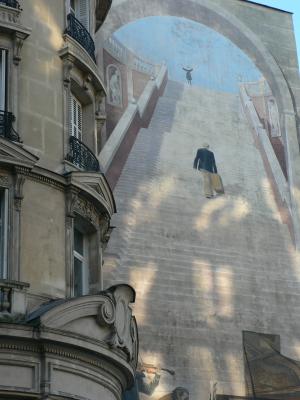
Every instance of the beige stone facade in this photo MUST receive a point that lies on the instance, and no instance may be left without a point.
(61, 334)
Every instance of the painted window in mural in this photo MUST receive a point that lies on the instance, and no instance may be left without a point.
(114, 84)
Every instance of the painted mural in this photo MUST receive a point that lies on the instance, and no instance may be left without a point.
(202, 203)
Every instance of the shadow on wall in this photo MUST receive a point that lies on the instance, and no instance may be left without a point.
(204, 270)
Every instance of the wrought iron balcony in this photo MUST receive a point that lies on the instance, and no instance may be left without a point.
(81, 156)
(11, 3)
(6, 126)
(78, 32)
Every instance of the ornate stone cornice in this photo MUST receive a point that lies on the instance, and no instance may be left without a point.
(43, 176)
(15, 154)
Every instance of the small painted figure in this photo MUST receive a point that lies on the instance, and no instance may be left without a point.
(188, 74)
(115, 88)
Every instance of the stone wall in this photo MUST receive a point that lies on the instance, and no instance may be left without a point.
(40, 122)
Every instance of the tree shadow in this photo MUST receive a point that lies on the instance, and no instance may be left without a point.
(204, 270)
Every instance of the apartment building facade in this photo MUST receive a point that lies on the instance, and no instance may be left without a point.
(61, 334)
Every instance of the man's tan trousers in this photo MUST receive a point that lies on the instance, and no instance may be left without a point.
(207, 183)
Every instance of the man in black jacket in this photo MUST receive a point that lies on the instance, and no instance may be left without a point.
(205, 162)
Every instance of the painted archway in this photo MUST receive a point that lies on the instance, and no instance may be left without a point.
(220, 19)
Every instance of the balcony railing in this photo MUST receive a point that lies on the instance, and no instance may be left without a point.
(78, 32)
(6, 126)
(11, 3)
(81, 156)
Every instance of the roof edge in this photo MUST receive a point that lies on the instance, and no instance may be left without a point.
(265, 6)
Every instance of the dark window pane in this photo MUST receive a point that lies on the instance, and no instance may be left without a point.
(78, 242)
(78, 284)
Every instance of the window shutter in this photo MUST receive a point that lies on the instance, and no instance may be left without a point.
(70, 114)
(83, 14)
(79, 121)
(75, 113)
(3, 64)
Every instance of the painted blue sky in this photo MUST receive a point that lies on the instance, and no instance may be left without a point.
(217, 63)
(287, 5)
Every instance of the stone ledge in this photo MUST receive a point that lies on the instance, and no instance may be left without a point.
(75, 54)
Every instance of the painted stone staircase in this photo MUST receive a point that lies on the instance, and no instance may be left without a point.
(204, 270)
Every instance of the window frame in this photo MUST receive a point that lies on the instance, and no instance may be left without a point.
(4, 200)
(72, 10)
(84, 260)
(3, 78)
(81, 11)
(75, 117)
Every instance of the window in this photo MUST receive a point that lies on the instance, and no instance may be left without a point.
(3, 69)
(80, 9)
(81, 272)
(72, 7)
(75, 118)
(3, 232)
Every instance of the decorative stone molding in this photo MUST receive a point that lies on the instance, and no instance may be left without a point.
(4, 180)
(110, 309)
(19, 182)
(92, 337)
(124, 335)
(38, 362)
(10, 22)
(72, 55)
(71, 198)
(106, 229)
(12, 300)
(67, 67)
(19, 38)
(96, 188)
(84, 208)
(9, 15)
(15, 154)
(43, 177)
(106, 313)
